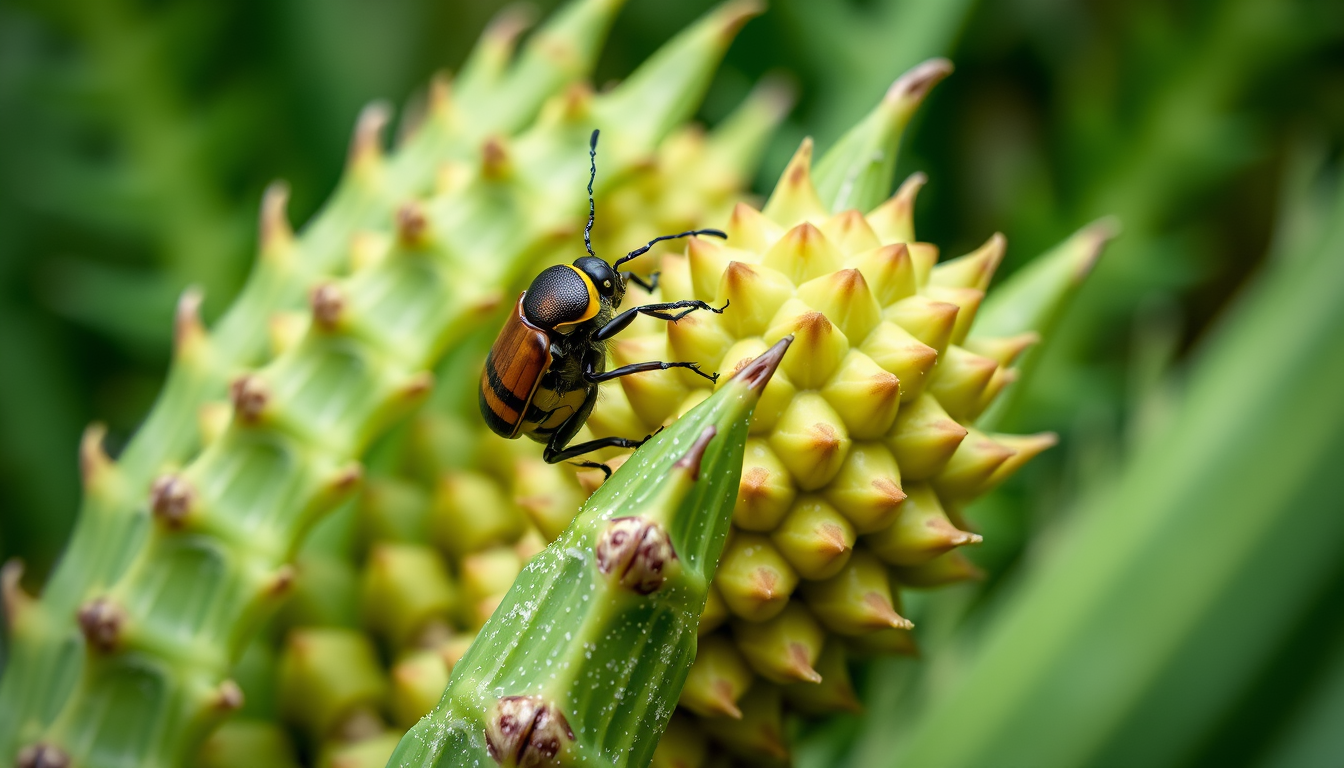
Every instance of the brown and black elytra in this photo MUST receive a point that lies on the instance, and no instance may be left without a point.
(541, 376)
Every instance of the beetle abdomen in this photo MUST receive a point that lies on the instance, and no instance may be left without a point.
(513, 369)
(549, 410)
(560, 295)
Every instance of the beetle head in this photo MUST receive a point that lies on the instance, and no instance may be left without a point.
(607, 281)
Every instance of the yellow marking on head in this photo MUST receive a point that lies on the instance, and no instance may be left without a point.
(594, 304)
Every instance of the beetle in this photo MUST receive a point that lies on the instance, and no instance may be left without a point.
(542, 374)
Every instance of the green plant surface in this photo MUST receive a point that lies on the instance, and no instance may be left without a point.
(593, 641)
(357, 373)
(1110, 652)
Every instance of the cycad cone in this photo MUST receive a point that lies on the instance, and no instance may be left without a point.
(862, 455)
(863, 450)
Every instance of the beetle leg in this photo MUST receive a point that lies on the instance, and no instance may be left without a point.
(554, 453)
(655, 365)
(606, 471)
(623, 320)
(557, 450)
(651, 285)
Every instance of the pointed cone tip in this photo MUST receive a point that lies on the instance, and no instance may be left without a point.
(799, 168)
(765, 585)
(690, 463)
(732, 16)
(757, 373)
(915, 84)
(187, 322)
(1045, 440)
(886, 612)
(513, 20)
(274, 225)
(777, 91)
(1094, 238)
(913, 183)
(772, 743)
(799, 665)
(832, 539)
(11, 592)
(722, 701)
(92, 457)
(373, 118)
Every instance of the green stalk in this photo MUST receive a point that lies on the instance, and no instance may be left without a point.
(1201, 537)
(584, 660)
(212, 566)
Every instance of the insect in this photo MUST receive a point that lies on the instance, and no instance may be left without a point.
(541, 376)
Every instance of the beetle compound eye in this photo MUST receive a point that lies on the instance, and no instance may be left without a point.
(599, 271)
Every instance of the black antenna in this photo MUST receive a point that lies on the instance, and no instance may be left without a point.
(592, 174)
(645, 248)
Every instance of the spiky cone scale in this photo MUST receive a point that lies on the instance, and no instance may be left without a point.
(833, 693)
(857, 600)
(815, 538)
(784, 648)
(418, 680)
(585, 657)
(716, 680)
(393, 510)
(456, 522)
(486, 577)
(888, 375)
(754, 578)
(330, 681)
(406, 590)
(259, 743)
(300, 420)
(758, 735)
(325, 592)
(923, 531)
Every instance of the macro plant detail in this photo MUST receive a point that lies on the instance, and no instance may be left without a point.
(865, 448)
(973, 493)
(402, 288)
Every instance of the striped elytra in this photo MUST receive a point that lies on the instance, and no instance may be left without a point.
(518, 359)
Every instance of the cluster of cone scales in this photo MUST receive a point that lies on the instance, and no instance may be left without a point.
(863, 450)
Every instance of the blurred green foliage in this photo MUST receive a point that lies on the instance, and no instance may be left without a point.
(136, 137)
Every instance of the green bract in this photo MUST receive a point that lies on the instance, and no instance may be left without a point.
(584, 659)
